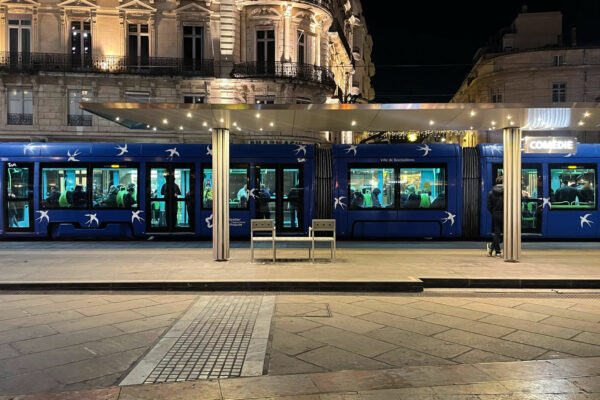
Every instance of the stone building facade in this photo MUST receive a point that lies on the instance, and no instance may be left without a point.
(55, 54)
(534, 61)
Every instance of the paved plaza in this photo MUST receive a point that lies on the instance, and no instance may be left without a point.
(431, 345)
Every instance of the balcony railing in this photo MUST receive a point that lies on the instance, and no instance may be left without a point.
(284, 70)
(54, 62)
(327, 4)
(19, 119)
(80, 120)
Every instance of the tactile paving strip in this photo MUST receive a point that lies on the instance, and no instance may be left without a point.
(218, 337)
(214, 345)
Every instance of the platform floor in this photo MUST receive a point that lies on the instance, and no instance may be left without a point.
(154, 261)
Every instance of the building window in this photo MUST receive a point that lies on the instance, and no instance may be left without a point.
(559, 92)
(20, 107)
(573, 187)
(77, 116)
(81, 43)
(64, 187)
(303, 100)
(137, 97)
(193, 99)
(139, 45)
(496, 95)
(192, 46)
(265, 51)
(264, 99)
(115, 187)
(423, 188)
(19, 32)
(301, 47)
(558, 60)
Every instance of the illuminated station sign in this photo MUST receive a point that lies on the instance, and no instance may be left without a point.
(560, 145)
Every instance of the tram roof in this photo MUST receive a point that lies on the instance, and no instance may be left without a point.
(290, 118)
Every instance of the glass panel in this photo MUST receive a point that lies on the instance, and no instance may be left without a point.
(423, 188)
(18, 184)
(183, 214)
(15, 101)
(64, 187)
(181, 189)
(158, 214)
(115, 187)
(144, 28)
(238, 189)
(144, 50)
(87, 43)
(198, 52)
(372, 187)
(132, 28)
(18, 214)
(158, 180)
(572, 187)
(27, 102)
(25, 41)
(14, 41)
(293, 193)
(133, 49)
(265, 203)
(188, 48)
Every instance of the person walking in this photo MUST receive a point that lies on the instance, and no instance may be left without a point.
(495, 205)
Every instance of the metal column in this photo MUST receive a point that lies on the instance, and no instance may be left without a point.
(512, 194)
(220, 186)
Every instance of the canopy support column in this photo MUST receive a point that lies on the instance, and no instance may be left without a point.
(512, 194)
(220, 185)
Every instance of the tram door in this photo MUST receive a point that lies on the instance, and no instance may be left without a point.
(170, 198)
(18, 197)
(531, 196)
(280, 196)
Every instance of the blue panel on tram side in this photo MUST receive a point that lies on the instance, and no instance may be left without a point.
(434, 212)
(269, 152)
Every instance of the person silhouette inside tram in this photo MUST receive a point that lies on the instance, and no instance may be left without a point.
(565, 193)
(170, 187)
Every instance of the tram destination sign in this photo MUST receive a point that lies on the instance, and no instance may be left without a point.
(543, 144)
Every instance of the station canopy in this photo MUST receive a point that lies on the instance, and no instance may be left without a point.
(283, 118)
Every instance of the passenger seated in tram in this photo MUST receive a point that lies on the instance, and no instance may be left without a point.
(412, 199)
(357, 198)
(263, 203)
(111, 200)
(565, 193)
(129, 200)
(63, 200)
(78, 197)
(207, 195)
(439, 202)
(586, 193)
(52, 198)
(375, 198)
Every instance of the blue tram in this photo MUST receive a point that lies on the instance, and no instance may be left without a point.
(559, 192)
(109, 190)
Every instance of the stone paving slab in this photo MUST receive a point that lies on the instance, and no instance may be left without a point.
(558, 379)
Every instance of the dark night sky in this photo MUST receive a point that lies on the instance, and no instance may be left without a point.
(432, 33)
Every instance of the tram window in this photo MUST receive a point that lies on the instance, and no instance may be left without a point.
(423, 188)
(371, 188)
(238, 188)
(18, 191)
(64, 187)
(115, 187)
(573, 187)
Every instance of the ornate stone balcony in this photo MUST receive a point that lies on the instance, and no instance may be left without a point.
(326, 4)
(284, 70)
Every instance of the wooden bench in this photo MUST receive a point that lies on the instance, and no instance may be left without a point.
(268, 225)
